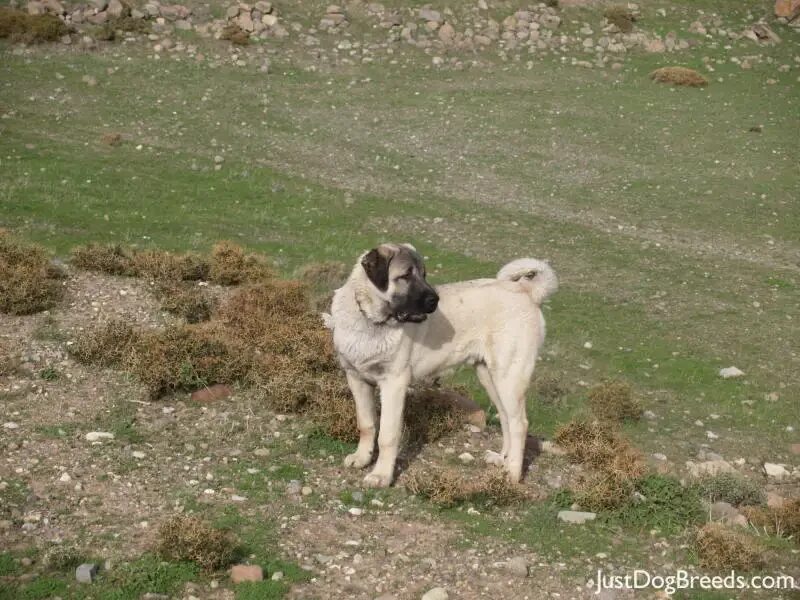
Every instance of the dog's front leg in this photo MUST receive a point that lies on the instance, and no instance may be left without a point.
(393, 399)
(364, 395)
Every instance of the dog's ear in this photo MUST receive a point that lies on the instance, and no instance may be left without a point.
(376, 265)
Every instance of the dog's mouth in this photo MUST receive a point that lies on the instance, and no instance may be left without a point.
(406, 317)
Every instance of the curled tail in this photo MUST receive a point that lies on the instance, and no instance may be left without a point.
(536, 275)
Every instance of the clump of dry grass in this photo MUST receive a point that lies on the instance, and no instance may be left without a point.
(111, 138)
(9, 363)
(29, 282)
(322, 280)
(731, 488)
(721, 548)
(549, 387)
(621, 16)
(185, 300)
(185, 538)
(679, 76)
(447, 487)
(235, 35)
(783, 521)
(231, 265)
(616, 464)
(614, 401)
(108, 345)
(111, 259)
(429, 415)
(125, 23)
(20, 27)
(166, 266)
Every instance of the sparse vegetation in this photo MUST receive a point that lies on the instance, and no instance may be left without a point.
(722, 548)
(661, 502)
(231, 265)
(236, 35)
(20, 27)
(186, 538)
(682, 76)
(621, 16)
(783, 521)
(549, 388)
(448, 487)
(614, 401)
(185, 300)
(732, 488)
(29, 282)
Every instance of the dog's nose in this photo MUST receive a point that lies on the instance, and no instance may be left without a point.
(431, 302)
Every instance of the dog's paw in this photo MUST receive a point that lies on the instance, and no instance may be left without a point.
(377, 480)
(357, 460)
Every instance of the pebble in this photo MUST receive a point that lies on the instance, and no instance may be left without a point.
(86, 572)
(306, 491)
(437, 593)
(466, 457)
(10, 425)
(65, 478)
(776, 471)
(576, 517)
(96, 436)
(730, 372)
(517, 566)
(138, 454)
(356, 512)
(241, 573)
(277, 576)
(293, 488)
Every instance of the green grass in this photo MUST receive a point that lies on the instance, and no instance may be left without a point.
(667, 506)
(8, 565)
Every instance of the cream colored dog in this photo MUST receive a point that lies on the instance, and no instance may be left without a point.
(391, 328)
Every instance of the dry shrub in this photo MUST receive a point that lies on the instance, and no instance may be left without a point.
(230, 265)
(549, 387)
(447, 487)
(731, 488)
(781, 520)
(108, 345)
(111, 139)
(29, 282)
(322, 280)
(614, 401)
(185, 538)
(111, 259)
(126, 23)
(20, 27)
(429, 415)
(616, 464)
(9, 363)
(235, 35)
(620, 16)
(721, 548)
(185, 300)
(679, 76)
(161, 265)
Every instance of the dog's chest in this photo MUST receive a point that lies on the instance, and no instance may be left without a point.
(367, 350)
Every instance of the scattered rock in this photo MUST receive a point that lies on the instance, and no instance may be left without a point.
(730, 372)
(493, 458)
(437, 593)
(218, 391)
(97, 436)
(576, 517)
(517, 566)
(776, 471)
(466, 457)
(241, 573)
(86, 573)
(709, 467)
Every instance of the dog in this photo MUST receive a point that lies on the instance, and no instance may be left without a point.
(392, 328)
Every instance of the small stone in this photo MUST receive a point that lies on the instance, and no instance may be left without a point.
(138, 454)
(659, 456)
(794, 448)
(293, 488)
(65, 478)
(587, 345)
(219, 159)
(730, 372)
(576, 517)
(427, 14)
(86, 572)
(437, 593)
(709, 467)
(242, 573)
(466, 457)
(776, 471)
(356, 512)
(277, 576)
(96, 436)
(10, 425)
(306, 491)
(493, 458)
(517, 566)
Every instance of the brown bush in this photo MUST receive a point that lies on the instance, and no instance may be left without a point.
(20, 27)
(447, 487)
(721, 548)
(111, 259)
(235, 35)
(679, 76)
(108, 345)
(185, 538)
(620, 16)
(549, 387)
(29, 283)
(614, 401)
(783, 521)
(111, 139)
(185, 300)
(166, 266)
(9, 363)
(230, 265)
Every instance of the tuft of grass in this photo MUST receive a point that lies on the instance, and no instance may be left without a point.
(8, 566)
(731, 488)
(29, 282)
(613, 401)
(620, 16)
(111, 259)
(235, 35)
(147, 574)
(62, 557)
(126, 23)
(447, 487)
(430, 415)
(230, 265)
(679, 76)
(111, 138)
(9, 362)
(783, 521)
(20, 27)
(49, 374)
(184, 300)
(615, 463)
(108, 345)
(549, 387)
(185, 538)
(663, 504)
(721, 548)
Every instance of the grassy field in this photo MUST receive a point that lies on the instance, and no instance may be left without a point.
(672, 223)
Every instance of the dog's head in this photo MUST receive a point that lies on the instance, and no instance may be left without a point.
(397, 273)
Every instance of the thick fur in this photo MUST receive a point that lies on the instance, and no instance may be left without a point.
(494, 324)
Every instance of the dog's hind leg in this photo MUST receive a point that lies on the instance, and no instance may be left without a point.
(393, 399)
(485, 377)
(364, 395)
(511, 387)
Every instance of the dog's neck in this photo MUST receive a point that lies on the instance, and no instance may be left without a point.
(377, 313)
